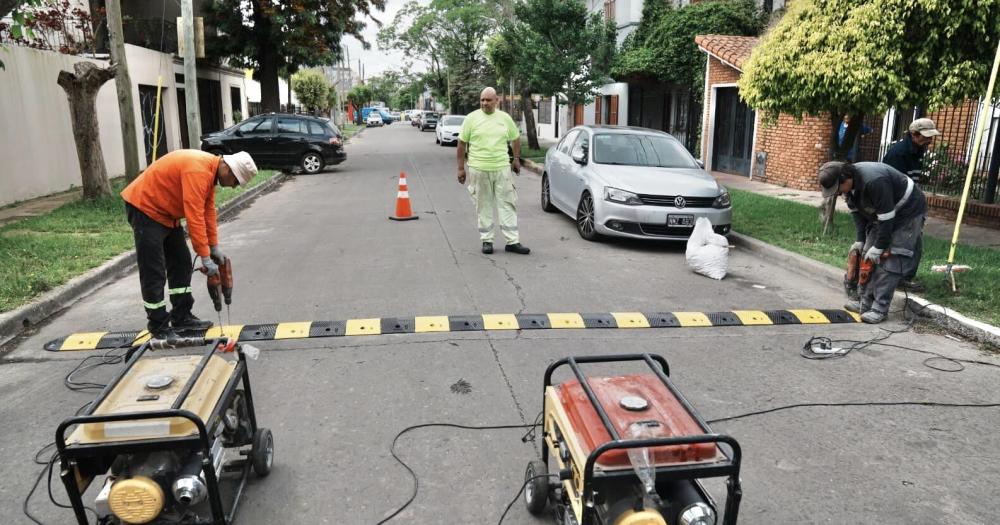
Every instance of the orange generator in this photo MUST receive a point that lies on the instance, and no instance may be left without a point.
(628, 450)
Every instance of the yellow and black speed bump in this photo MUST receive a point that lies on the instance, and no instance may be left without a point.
(463, 323)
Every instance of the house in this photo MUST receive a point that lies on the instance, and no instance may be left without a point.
(790, 151)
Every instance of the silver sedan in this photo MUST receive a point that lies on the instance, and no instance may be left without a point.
(631, 182)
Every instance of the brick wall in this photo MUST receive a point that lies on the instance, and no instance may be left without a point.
(718, 73)
(976, 214)
(795, 150)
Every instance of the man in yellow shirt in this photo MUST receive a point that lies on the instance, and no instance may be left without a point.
(485, 135)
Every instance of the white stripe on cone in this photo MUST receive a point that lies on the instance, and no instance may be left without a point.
(403, 195)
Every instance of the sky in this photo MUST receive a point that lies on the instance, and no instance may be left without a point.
(375, 60)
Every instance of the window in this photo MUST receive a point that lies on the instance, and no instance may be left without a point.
(315, 128)
(567, 141)
(609, 10)
(453, 121)
(641, 150)
(582, 141)
(256, 127)
(289, 125)
(545, 111)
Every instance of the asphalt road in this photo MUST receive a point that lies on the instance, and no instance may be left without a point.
(321, 248)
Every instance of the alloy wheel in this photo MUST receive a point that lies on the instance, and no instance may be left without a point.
(585, 218)
(312, 163)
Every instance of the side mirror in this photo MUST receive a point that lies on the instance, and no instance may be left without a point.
(701, 163)
(579, 155)
(238, 133)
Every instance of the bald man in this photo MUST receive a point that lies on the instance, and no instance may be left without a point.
(485, 135)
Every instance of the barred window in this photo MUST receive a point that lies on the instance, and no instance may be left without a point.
(545, 111)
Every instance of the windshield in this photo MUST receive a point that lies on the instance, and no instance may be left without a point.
(641, 150)
(431, 115)
(452, 121)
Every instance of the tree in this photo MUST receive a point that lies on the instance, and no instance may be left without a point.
(557, 47)
(312, 89)
(81, 88)
(663, 46)
(272, 36)
(858, 57)
(359, 96)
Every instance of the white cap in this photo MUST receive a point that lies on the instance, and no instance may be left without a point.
(242, 165)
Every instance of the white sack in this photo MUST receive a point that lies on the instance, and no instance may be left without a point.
(707, 252)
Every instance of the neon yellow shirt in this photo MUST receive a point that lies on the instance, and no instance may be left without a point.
(486, 137)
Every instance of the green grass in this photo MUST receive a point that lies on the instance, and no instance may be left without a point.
(349, 130)
(40, 253)
(796, 227)
(531, 153)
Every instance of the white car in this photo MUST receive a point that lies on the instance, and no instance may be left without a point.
(631, 182)
(374, 119)
(448, 128)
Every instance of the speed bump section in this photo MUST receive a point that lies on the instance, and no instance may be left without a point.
(690, 319)
(630, 320)
(297, 330)
(432, 323)
(753, 317)
(500, 322)
(82, 341)
(566, 321)
(371, 326)
(810, 316)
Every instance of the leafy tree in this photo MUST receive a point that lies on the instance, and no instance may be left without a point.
(663, 46)
(556, 47)
(857, 57)
(359, 96)
(312, 89)
(274, 36)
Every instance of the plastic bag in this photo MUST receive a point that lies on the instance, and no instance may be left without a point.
(707, 252)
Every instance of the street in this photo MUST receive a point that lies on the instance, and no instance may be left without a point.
(320, 247)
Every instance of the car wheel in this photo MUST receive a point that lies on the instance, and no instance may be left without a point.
(547, 194)
(437, 140)
(312, 163)
(585, 224)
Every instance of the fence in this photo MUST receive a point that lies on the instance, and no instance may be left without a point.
(947, 160)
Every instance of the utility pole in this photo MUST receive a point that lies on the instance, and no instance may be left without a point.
(190, 77)
(123, 84)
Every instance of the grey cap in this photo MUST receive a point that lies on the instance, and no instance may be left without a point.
(829, 177)
(925, 127)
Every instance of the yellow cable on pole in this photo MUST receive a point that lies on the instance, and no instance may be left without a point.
(156, 119)
(987, 102)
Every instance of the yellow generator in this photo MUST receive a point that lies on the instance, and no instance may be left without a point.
(168, 437)
(628, 450)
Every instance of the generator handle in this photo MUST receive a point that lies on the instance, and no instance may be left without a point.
(131, 416)
(606, 359)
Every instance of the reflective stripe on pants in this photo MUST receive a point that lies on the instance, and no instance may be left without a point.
(495, 190)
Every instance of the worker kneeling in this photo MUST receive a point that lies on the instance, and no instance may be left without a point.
(888, 211)
(180, 185)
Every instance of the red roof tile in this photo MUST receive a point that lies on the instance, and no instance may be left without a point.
(732, 49)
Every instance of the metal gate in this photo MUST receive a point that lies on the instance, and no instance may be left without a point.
(732, 138)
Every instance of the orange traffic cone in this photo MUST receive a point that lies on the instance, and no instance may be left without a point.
(403, 211)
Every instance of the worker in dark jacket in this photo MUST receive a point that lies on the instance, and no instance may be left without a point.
(907, 154)
(888, 211)
(180, 185)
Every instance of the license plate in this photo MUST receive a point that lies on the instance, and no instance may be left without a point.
(680, 220)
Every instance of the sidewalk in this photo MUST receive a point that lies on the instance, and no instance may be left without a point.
(935, 227)
(36, 206)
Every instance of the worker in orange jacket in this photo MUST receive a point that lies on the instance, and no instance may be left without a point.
(179, 185)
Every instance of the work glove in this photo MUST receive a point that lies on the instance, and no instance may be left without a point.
(874, 254)
(859, 245)
(210, 268)
(216, 254)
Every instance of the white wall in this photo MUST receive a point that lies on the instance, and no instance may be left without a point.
(36, 138)
(617, 88)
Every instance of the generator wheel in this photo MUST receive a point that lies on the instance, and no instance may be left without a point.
(262, 452)
(536, 492)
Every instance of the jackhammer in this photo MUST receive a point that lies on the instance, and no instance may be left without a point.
(859, 273)
(220, 286)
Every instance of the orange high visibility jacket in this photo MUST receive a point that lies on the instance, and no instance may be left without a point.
(180, 185)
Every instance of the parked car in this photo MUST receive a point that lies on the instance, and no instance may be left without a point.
(415, 117)
(395, 115)
(282, 141)
(448, 129)
(428, 120)
(386, 116)
(631, 182)
(374, 119)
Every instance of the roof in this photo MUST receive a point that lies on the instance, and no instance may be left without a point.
(733, 50)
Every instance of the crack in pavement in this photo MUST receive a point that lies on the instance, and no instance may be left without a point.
(518, 290)
(503, 373)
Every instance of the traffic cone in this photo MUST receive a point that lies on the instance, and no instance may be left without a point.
(403, 211)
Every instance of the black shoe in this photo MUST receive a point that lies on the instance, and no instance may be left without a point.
(190, 323)
(517, 248)
(163, 333)
(487, 248)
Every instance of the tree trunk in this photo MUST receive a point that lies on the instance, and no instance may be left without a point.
(81, 90)
(529, 118)
(839, 152)
(270, 98)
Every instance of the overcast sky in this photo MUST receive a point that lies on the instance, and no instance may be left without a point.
(375, 60)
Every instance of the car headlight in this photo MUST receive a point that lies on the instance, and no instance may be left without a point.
(621, 196)
(697, 513)
(722, 201)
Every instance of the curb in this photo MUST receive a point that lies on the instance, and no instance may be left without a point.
(16, 321)
(532, 166)
(834, 277)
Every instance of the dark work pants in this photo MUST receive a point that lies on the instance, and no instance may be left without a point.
(163, 258)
